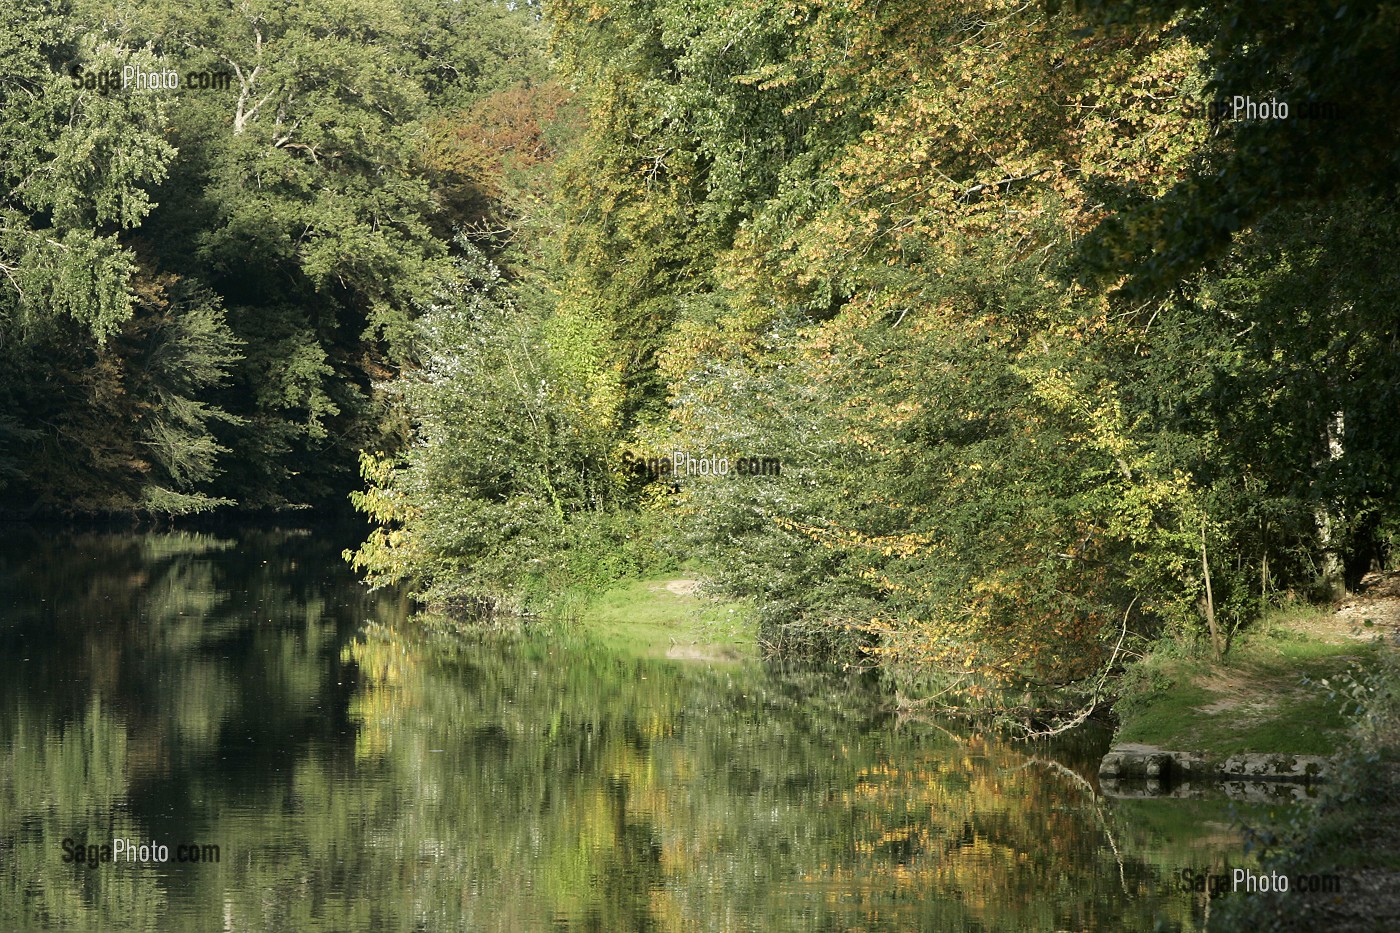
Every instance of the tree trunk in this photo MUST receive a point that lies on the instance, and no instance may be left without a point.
(1209, 607)
(1333, 578)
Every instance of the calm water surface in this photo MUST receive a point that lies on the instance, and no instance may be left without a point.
(357, 772)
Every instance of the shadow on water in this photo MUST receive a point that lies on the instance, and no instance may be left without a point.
(359, 771)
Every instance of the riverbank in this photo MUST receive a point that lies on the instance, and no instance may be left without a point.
(1351, 836)
(668, 617)
(1310, 680)
(1284, 688)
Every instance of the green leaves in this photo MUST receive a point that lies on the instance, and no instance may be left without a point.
(293, 196)
(1337, 74)
(79, 169)
(858, 236)
(510, 450)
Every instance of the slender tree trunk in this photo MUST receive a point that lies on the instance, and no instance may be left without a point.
(1215, 642)
(1333, 579)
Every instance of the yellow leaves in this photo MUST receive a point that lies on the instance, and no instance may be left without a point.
(832, 537)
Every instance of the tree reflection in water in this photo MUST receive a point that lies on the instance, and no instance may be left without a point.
(363, 770)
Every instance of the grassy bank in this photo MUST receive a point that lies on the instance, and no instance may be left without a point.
(667, 617)
(1282, 688)
(1352, 834)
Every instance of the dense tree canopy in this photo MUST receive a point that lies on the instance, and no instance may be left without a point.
(1057, 351)
(206, 282)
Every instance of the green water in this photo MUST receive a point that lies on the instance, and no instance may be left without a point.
(358, 772)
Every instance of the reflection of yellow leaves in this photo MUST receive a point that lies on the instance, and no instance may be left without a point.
(391, 685)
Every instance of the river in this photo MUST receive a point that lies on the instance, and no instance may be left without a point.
(319, 759)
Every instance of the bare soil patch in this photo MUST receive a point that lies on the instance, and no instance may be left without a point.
(1242, 693)
(1377, 600)
(682, 587)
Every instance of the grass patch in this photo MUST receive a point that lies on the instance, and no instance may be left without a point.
(1276, 691)
(663, 617)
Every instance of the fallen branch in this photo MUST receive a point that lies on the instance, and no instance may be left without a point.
(1088, 709)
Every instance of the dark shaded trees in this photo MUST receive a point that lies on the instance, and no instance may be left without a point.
(204, 285)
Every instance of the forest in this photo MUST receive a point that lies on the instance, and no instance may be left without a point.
(1057, 328)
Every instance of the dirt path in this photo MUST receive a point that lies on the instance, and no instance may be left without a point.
(682, 587)
(1377, 601)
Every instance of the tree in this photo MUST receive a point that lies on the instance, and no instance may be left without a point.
(1331, 63)
(276, 228)
(108, 365)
